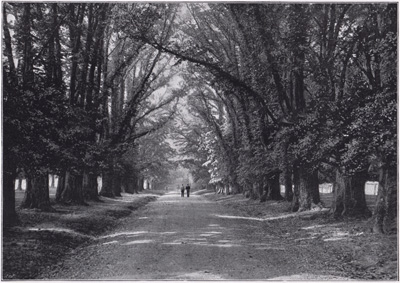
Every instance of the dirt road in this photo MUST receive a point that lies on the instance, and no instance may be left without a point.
(192, 238)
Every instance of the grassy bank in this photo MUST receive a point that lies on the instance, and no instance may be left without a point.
(350, 248)
(43, 238)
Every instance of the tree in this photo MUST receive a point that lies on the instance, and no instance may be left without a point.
(277, 93)
(145, 68)
(10, 132)
(79, 180)
(37, 102)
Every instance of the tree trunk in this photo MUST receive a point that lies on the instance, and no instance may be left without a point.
(8, 49)
(257, 191)
(75, 29)
(274, 190)
(37, 192)
(124, 182)
(219, 188)
(226, 189)
(314, 183)
(27, 67)
(129, 184)
(287, 174)
(349, 195)
(287, 177)
(90, 186)
(116, 185)
(82, 82)
(19, 188)
(132, 188)
(359, 204)
(341, 187)
(385, 214)
(296, 189)
(94, 86)
(10, 216)
(140, 183)
(236, 189)
(72, 190)
(308, 187)
(52, 182)
(10, 88)
(106, 188)
(135, 182)
(57, 67)
(265, 192)
(60, 186)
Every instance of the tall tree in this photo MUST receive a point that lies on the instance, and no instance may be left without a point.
(10, 132)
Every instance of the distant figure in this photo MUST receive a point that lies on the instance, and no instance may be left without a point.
(187, 190)
(182, 191)
(166, 188)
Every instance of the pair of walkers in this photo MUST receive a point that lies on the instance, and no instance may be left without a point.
(183, 190)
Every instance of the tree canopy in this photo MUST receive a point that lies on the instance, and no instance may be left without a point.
(250, 96)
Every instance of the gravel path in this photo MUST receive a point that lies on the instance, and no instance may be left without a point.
(177, 238)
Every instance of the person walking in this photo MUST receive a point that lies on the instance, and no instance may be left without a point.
(187, 190)
(182, 191)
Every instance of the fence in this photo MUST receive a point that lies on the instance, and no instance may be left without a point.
(371, 188)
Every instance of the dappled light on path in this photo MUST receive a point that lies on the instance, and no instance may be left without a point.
(207, 238)
(109, 243)
(123, 234)
(198, 275)
(127, 198)
(138, 242)
(319, 226)
(61, 230)
(193, 238)
(206, 234)
(338, 236)
(329, 233)
(283, 216)
(309, 277)
(239, 217)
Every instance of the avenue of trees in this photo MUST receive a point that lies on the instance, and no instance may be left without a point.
(79, 91)
(292, 94)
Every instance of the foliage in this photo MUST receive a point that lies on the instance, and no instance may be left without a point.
(268, 86)
(282, 75)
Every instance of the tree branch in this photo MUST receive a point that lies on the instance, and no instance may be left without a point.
(219, 73)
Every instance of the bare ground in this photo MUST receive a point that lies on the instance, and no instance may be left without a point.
(204, 237)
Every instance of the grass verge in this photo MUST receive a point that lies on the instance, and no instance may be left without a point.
(43, 238)
(342, 247)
